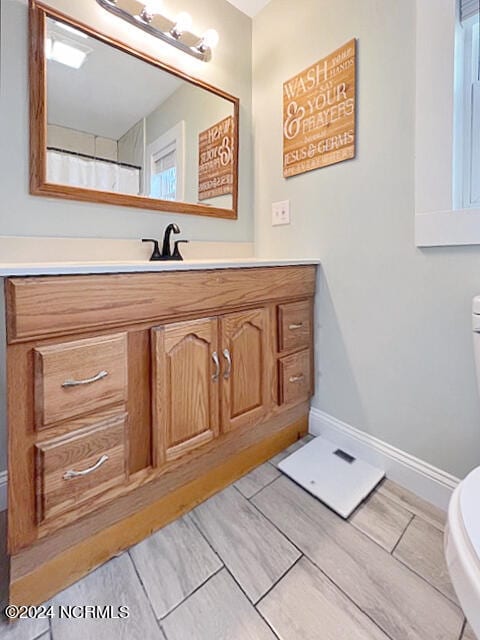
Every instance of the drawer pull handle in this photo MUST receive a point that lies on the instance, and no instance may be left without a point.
(79, 383)
(294, 326)
(69, 475)
(298, 378)
(215, 359)
(228, 358)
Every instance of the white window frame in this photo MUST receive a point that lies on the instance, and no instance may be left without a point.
(470, 78)
(174, 138)
(440, 220)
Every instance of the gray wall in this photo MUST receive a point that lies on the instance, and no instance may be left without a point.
(200, 110)
(80, 142)
(131, 146)
(394, 343)
(22, 214)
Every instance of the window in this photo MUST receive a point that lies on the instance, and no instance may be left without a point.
(163, 182)
(467, 105)
(443, 216)
(165, 165)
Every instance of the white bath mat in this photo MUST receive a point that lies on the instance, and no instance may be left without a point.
(332, 475)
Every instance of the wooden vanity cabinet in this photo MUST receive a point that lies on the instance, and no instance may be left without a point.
(206, 373)
(247, 354)
(74, 378)
(75, 468)
(186, 377)
(133, 397)
(295, 377)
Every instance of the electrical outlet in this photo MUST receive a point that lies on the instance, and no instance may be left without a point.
(280, 213)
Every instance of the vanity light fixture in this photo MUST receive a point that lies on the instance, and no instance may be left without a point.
(209, 40)
(151, 15)
(150, 9)
(183, 22)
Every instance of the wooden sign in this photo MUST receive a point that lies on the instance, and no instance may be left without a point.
(319, 113)
(216, 160)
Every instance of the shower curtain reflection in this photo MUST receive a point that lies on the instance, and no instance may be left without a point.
(91, 173)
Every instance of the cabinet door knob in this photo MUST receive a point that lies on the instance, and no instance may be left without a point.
(215, 359)
(78, 383)
(228, 358)
(69, 475)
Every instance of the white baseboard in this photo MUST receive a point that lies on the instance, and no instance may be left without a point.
(3, 490)
(425, 480)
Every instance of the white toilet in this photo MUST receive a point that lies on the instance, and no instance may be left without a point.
(462, 538)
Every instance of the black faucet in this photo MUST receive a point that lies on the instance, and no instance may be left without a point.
(167, 253)
(166, 248)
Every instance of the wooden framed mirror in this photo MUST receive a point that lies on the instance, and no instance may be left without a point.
(110, 124)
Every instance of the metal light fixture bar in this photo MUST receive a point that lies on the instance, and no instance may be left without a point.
(201, 51)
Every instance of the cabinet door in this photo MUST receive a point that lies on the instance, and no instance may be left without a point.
(246, 355)
(185, 387)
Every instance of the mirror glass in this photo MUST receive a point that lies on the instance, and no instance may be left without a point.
(117, 123)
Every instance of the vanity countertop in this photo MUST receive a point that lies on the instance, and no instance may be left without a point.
(136, 266)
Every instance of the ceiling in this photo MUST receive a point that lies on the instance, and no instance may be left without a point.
(250, 7)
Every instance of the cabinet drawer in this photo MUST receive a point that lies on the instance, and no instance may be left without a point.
(73, 469)
(295, 377)
(74, 378)
(294, 325)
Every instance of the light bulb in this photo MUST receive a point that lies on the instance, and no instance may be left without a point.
(153, 7)
(183, 22)
(210, 39)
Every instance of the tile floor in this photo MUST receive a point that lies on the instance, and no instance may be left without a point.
(263, 560)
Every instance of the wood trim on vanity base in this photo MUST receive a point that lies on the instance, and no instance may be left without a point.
(38, 573)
